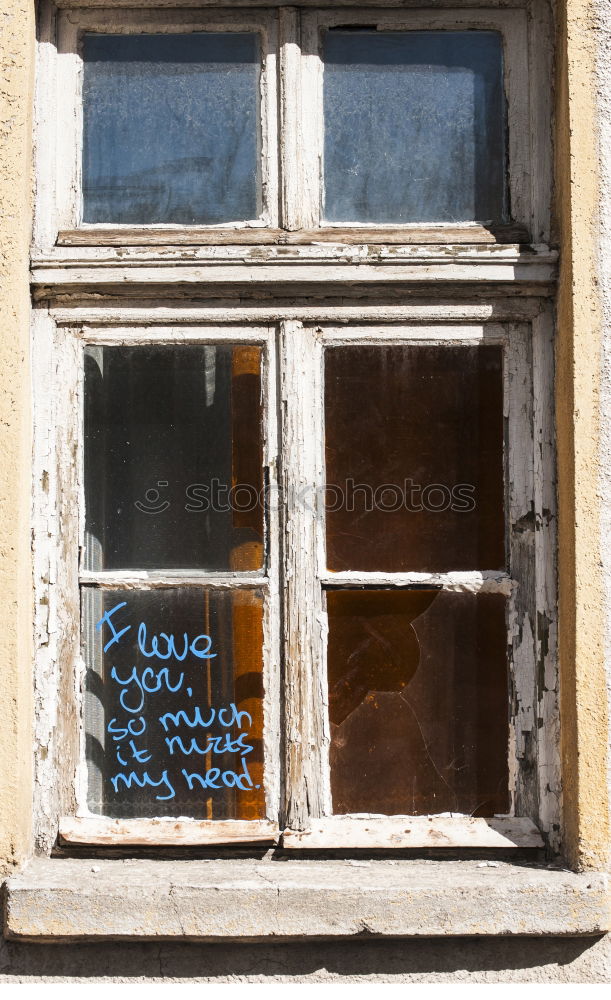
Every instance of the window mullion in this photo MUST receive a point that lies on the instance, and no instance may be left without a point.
(311, 135)
(305, 729)
(288, 90)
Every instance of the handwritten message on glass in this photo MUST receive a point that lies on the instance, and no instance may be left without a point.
(173, 703)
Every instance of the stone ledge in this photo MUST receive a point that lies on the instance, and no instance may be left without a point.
(76, 899)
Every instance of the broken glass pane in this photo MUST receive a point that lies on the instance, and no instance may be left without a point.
(171, 128)
(174, 703)
(414, 458)
(414, 126)
(418, 702)
(173, 457)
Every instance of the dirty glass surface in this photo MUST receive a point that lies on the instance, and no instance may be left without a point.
(414, 458)
(173, 457)
(414, 126)
(173, 702)
(171, 128)
(418, 702)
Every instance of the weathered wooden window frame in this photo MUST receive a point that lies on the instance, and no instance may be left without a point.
(295, 708)
(292, 122)
(512, 26)
(73, 23)
(72, 262)
(527, 357)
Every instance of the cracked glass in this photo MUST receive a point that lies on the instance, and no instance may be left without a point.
(418, 696)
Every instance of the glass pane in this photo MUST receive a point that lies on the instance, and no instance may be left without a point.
(414, 458)
(418, 702)
(173, 703)
(414, 126)
(170, 128)
(173, 457)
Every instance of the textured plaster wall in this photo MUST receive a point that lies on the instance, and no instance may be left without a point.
(16, 75)
(603, 91)
(581, 426)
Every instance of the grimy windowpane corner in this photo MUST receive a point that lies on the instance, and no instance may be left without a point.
(418, 702)
(173, 457)
(174, 702)
(171, 128)
(414, 458)
(414, 127)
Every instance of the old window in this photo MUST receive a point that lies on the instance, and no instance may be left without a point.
(304, 574)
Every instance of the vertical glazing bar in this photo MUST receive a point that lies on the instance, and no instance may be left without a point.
(289, 90)
(301, 408)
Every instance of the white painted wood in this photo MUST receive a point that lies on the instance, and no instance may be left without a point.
(409, 284)
(152, 579)
(74, 21)
(45, 223)
(462, 333)
(541, 31)
(513, 26)
(161, 334)
(55, 529)
(519, 513)
(490, 582)
(157, 248)
(301, 417)
(69, 121)
(272, 617)
(289, 274)
(105, 316)
(289, 90)
(164, 832)
(547, 708)
(432, 832)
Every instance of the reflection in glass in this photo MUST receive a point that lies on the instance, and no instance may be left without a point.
(414, 126)
(173, 457)
(418, 702)
(173, 705)
(414, 458)
(170, 128)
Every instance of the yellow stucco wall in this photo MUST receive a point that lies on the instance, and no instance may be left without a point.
(584, 706)
(17, 60)
(584, 710)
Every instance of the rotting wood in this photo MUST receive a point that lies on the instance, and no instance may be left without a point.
(520, 520)
(250, 235)
(547, 708)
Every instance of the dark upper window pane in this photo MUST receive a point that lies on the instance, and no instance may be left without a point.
(174, 702)
(170, 128)
(418, 702)
(173, 457)
(414, 127)
(414, 458)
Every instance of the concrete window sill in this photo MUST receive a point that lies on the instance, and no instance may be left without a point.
(76, 899)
